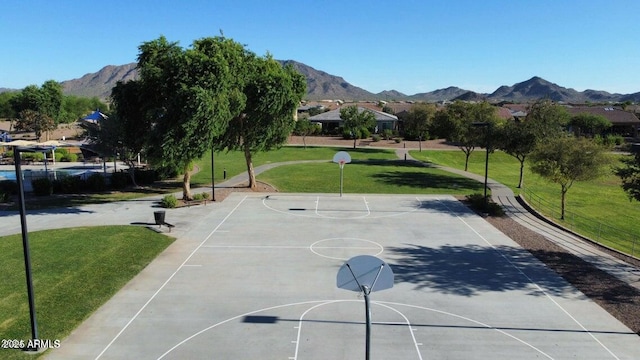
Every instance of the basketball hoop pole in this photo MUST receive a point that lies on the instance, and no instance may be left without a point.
(366, 290)
(341, 176)
(341, 158)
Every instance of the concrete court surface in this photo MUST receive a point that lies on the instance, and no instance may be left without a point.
(254, 277)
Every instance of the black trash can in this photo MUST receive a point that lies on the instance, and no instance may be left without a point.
(159, 217)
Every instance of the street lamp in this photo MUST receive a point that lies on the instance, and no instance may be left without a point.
(487, 126)
(25, 237)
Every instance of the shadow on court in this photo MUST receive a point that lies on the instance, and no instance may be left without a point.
(471, 270)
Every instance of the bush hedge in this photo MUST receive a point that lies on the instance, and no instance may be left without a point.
(42, 187)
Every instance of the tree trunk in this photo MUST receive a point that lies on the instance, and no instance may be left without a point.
(252, 175)
(304, 141)
(466, 160)
(562, 202)
(354, 142)
(186, 184)
(521, 182)
(132, 171)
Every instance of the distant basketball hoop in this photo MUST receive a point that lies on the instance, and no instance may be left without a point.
(341, 158)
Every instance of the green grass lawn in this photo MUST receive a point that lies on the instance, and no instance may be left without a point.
(74, 271)
(599, 208)
(370, 177)
(234, 163)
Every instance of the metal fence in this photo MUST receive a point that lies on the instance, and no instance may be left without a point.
(607, 235)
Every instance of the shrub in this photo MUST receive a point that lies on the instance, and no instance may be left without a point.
(42, 187)
(119, 180)
(198, 197)
(205, 195)
(70, 157)
(9, 186)
(376, 138)
(96, 182)
(169, 201)
(167, 172)
(397, 140)
(33, 156)
(146, 177)
(59, 156)
(387, 134)
(69, 185)
(476, 201)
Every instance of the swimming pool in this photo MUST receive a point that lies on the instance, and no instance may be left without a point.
(53, 174)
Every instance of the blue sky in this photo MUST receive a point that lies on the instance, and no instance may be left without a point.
(407, 45)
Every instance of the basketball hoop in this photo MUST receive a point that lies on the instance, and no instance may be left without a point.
(341, 158)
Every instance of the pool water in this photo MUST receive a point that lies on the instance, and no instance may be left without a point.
(27, 174)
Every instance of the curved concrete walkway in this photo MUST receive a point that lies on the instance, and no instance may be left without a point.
(503, 196)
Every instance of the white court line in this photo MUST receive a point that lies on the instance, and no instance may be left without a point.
(546, 294)
(169, 279)
(295, 354)
(408, 323)
(243, 315)
(382, 303)
(317, 211)
(366, 205)
(254, 247)
(318, 303)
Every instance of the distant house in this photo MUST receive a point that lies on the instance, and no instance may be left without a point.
(331, 120)
(623, 123)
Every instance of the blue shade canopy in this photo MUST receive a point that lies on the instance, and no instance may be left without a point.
(5, 137)
(95, 116)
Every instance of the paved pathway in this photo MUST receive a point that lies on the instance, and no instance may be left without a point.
(503, 196)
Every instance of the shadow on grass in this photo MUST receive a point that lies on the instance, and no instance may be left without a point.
(64, 203)
(419, 179)
(472, 269)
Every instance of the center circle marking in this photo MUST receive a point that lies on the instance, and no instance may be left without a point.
(345, 248)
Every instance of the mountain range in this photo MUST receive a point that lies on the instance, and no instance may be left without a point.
(324, 86)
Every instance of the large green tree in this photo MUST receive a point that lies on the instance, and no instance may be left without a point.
(358, 122)
(6, 110)
(468, 125)
(589, 125)
(31, 120)
(38, 108)
(418, 122)
(76, 107)
(544, 120)
(126, 131)
(304, 127)
(547, 120)
(272, 94)
(189, 96)
(518, 139)
(567, 159)
(629, 173)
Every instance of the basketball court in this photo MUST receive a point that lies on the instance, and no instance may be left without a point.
(255, 278)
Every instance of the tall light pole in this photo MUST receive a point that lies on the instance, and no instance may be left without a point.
(25, 238)
(487, 144)
(213, 179)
